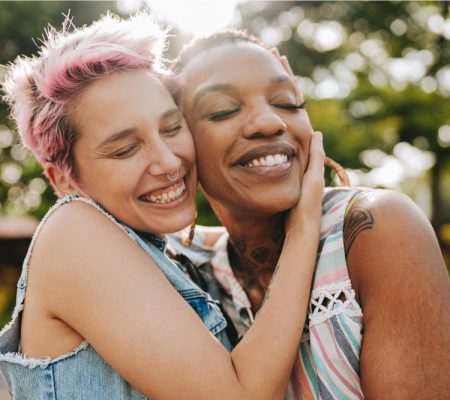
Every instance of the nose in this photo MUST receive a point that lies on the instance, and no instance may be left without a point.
(263, 122)
(163, 160)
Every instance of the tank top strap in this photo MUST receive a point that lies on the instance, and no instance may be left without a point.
(332, 281)
(152, 244)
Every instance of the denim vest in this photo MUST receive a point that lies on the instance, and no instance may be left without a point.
(83, 374)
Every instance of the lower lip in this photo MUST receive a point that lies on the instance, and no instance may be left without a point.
(171, 205)
(273, 171)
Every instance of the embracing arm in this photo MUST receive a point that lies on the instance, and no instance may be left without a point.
(403, 287)
(102, 285)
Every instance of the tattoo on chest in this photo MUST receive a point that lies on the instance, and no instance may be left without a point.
(253, 266)
(357, 220)
(260, 254)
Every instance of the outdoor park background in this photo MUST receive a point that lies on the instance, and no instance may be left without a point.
(376, 76)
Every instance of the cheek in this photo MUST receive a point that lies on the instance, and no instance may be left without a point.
(184, 147)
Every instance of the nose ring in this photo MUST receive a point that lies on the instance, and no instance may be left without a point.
(173, 177)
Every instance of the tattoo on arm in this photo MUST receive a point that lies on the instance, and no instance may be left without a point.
(357, 220)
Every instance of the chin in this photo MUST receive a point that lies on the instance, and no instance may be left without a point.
(178, 222)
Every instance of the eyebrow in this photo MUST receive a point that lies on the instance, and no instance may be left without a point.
(212, 88)
(281, 79)
(116, 137)
(170, 113)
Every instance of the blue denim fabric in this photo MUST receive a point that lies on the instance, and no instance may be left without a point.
(83, 374)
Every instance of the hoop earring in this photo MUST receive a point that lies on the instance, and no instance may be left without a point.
(173, 177)
(187, 239)
(344, 180)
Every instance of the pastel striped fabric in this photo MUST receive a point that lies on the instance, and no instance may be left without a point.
(327, 366)
(328, 362)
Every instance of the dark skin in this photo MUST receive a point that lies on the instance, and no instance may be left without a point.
(401, 315)
(253, 265)
(393, 258)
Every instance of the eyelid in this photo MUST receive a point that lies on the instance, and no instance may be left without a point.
(291, 106)
(125, 151)
(172, 130)
(222, 114)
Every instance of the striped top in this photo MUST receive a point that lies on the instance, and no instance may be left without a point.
(328, 362)
(327, 366)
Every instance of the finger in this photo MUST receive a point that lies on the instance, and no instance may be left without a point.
(313, 179)
(315, 169)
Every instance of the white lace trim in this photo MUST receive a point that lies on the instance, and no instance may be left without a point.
(328, 301)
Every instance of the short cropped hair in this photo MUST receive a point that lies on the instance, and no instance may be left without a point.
(40, 90)
(216, 39)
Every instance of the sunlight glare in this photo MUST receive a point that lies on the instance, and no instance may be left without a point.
(199, 17)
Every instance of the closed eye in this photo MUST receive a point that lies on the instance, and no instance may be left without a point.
(125, 152)
(172, 130)
(219, 115)
(290, 106)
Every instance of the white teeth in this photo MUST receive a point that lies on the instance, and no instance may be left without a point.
(269, 161)
(166, 197)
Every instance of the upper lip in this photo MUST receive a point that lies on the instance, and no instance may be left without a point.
(162, 188)
(265, 150)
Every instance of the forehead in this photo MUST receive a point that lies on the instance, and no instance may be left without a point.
(120, 97)
(232, 63)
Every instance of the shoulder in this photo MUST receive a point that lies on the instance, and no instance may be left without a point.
(386, 237)
(376, 216)
(402, 285)
(72, 224)
(76, 242)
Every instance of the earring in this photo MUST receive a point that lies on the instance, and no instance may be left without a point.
(173, 177)
(344, 180)
(187, 239)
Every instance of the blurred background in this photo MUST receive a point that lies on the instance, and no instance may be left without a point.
(376, 76)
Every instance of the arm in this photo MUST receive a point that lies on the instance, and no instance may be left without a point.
(400, 278)
(116, 298)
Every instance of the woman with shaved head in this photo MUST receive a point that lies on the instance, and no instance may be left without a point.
(379, 307)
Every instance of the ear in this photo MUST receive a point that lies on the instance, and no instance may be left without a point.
(60, 181)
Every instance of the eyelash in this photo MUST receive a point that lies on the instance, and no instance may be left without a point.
(172, 131)
(217, 116)
(128, 151)
(291, 107)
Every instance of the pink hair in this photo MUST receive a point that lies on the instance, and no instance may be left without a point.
(42, 88)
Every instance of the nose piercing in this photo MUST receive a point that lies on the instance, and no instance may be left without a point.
(172, 177)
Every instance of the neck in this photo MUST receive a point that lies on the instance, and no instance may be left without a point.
(254, 248)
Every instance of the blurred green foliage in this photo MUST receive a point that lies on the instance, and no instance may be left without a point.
(375, 74)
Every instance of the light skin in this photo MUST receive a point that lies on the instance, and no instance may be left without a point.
(393, 256)
(92, 282)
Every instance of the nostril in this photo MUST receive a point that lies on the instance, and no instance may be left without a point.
(260, 135)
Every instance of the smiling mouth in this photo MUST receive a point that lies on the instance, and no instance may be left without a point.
(164, 196)
(267, 155)
(270, 160)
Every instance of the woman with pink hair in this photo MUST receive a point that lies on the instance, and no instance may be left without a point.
(102, 313)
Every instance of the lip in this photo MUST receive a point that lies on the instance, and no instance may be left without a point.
(170, 205)
(162, 189)
(263, 151)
